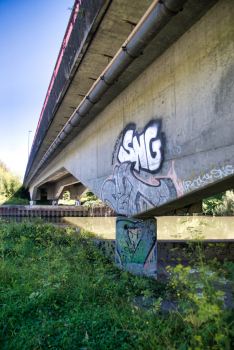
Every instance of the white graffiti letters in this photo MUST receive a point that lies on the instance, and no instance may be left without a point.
(145, 150)
(155, 161)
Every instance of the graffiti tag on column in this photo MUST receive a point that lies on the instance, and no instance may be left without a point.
(133, 187)
(136, 245)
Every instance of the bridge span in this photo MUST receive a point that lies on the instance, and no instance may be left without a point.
(140, 110)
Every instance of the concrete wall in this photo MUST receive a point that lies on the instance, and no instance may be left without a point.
(219, 249)
(170, 133)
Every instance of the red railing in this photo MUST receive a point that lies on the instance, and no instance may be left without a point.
(59, 59)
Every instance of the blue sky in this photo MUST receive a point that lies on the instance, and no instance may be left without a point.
(31, 35)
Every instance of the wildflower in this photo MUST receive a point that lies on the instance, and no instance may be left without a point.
(209, 273)
(48, 335)
(172, 284)
(147, 322)
(199, 296)
(193, 271)
(199, 285)
(39, 311)
(178, 294)
(222, 280)
(65, 324)
(133, 311)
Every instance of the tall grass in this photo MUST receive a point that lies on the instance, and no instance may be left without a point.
(59, 291)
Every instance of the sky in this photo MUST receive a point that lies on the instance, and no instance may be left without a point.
(31, 35)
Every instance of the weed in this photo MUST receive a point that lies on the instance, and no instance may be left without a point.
(59, 291)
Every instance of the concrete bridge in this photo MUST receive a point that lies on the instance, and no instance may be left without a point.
(140, 108)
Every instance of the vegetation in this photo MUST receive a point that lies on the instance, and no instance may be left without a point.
(221, 204)
(59, 291)
(227, 205)
(90, 200)
(66, 199)
(11, 189)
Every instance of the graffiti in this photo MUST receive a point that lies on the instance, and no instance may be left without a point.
(145, 150)
(172, 148)
(116, 147)
(97, 185)
(129, 194)
(54, 202)
(134, 187)
(204, 179)
(136, 246)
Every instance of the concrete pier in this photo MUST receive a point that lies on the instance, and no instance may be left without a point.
(136, 245)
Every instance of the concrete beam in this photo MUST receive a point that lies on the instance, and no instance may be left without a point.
(166, 141)
(77, 191)
(109, 29)
(59, 186)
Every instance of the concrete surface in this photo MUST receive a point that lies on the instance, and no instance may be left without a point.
(166, 141)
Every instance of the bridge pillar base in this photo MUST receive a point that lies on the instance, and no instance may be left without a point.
(136, 245)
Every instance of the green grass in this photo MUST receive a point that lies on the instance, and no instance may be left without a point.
(59, 291)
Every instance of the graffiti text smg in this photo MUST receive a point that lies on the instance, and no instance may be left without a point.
(143, 150)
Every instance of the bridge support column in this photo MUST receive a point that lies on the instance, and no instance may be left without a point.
(136, 245)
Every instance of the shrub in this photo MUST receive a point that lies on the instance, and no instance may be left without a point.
(221, 204)
(227, 205)
(11, 190)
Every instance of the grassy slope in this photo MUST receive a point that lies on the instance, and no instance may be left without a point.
(58, 291)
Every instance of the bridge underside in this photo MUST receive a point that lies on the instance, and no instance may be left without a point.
(164, 140)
